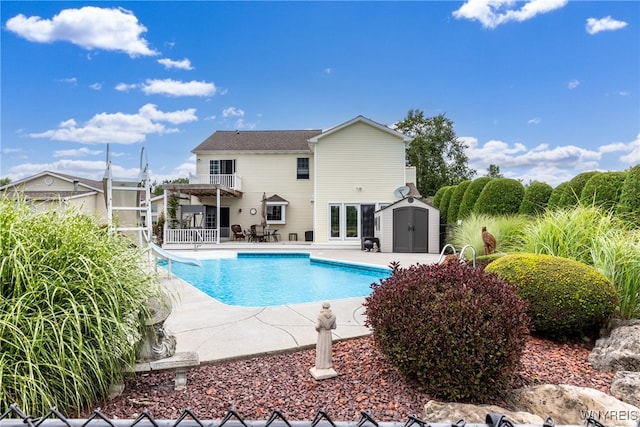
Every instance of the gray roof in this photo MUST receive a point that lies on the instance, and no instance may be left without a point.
(263, 140)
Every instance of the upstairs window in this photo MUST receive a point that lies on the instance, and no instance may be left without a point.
(303, 168)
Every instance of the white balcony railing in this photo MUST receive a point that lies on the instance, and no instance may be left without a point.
(227, 180)
(191, 235)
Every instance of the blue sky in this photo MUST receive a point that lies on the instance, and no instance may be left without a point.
(545, 89)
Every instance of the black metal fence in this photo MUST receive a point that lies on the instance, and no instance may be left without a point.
(14, 417)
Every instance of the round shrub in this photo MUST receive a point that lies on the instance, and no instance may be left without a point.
(562, 197)
(438, 197)
(456, 199)
(471, 195)
(536, 197)
(501, 196)
(454, 329)
(603, 189)
(566, 297)
(444, 202)
(629, 204)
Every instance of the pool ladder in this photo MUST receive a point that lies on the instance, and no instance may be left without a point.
(461, 257)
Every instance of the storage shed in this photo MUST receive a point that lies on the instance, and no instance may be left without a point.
(408, 225)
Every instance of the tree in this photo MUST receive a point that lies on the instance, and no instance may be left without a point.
(493, 171)
(435, 151)
(4, 181)
(158, 190)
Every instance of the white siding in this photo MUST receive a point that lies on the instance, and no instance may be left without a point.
(269, 173)
(357, 164)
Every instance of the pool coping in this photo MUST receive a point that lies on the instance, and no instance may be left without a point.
(220, 332)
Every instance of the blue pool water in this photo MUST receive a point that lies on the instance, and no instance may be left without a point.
(260, 279)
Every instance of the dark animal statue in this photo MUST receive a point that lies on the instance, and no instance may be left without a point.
(489, 241)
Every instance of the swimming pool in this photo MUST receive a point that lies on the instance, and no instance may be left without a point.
(272, 279)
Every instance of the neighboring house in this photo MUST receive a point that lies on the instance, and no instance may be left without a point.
(318, 186)
(52, 190)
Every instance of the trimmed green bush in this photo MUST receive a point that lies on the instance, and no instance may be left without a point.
(454, 329)
(471, 195)
(603, 189)
(536, 197)
(444, 202)
(629, 203)
(71, 297)
(566, 297)
(501, 196)
(454, 202)
(438, 197)
(568, 193)
(562, 197)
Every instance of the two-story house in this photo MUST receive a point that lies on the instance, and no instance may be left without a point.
(312, 185)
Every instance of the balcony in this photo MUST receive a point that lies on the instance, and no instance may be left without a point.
(230, 181)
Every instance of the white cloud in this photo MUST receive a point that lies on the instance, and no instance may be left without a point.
(542, 163)
(492, 13)
(328, 70)
(573, 84)
(178, 88)
(79, 152)
(113, 29)
(631, 150)
(232, 112)
(119, 128)
(96, 86)
(535, 121)
(124, 87)
(71, 80)
(184, 64)
(594, 26)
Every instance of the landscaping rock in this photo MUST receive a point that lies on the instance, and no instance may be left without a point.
(619, 350)
(440, 412)
(573, 405)
(626, 387)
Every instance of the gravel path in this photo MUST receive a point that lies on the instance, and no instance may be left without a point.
(255, 387)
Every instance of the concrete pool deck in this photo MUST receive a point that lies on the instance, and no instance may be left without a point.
(219, 332)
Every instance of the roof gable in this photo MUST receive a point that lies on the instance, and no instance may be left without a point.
(263, 140)
(88, 184)
(360, 119)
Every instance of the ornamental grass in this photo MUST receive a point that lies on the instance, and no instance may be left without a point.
(71, 300)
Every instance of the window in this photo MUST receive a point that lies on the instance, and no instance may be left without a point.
(344, 221)
(303, 168)
(335, 221)
(276, 212)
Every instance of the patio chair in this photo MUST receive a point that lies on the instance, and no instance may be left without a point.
(238, 234)
(257, 233)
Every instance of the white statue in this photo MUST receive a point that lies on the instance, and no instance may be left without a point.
(325, 325)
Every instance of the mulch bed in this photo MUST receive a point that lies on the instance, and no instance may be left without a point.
(255, 387)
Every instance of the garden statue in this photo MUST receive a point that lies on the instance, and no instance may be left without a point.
(158, 342)
(325, 325)
(489, 241)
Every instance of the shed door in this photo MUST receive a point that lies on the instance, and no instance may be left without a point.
(410, 229)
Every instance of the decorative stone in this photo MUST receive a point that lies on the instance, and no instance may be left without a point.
(439, 412)
(619, 349)
(573, 405)
(158, 342)
(325, 325)
(626, 386)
